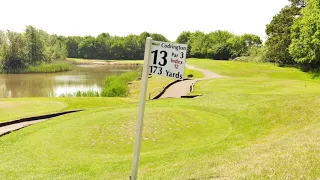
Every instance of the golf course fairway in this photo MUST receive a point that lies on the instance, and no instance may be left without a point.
(259, 122)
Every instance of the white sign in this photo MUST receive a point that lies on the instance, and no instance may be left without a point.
(164, 59)
(168, 59)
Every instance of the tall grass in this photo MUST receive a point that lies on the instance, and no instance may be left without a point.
(58, 66)
(117, 86)
(89, 93)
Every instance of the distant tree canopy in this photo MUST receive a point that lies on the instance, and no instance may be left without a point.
(35, 46)
(105, 46)
(219, 44)
(32, 47)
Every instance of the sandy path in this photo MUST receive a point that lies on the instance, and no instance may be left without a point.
(207, 74)
(7, 129)
(183, 88)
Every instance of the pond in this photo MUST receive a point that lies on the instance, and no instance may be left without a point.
(82, 78)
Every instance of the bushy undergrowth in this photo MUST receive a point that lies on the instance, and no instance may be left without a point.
(117, 86)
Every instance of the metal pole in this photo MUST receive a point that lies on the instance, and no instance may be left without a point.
(144, 83)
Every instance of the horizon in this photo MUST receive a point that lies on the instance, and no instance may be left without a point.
(92, 19)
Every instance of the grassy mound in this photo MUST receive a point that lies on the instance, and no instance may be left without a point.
(106, 137)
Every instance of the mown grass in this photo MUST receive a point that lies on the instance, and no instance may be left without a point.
(252, 70)
(58, 66)
(264, 126)
(16, 108)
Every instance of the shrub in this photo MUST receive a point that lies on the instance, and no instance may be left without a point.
(116, 86)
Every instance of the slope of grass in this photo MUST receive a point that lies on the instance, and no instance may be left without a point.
(117, 86)
(16, 108)
(252, 70)
(260, 127)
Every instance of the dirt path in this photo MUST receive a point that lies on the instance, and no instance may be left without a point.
(7, 129)
(207, 74)
(183, 88)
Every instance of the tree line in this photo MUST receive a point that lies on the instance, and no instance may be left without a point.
(30, 48)
(216, 45)
(293, 39)
(294, 36)
(35, 46)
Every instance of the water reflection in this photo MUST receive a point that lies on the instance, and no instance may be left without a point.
(62, 90)
(82, 78)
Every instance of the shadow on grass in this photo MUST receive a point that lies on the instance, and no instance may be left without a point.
(315, 75)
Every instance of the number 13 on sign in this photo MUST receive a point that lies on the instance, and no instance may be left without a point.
(168, 59)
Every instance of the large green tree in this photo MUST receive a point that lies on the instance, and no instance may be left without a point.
(279, 35)
(199, 44)
(103, 46)
(87, 48)
(184, 38)
(13, 52)
(35, 45)
(218, 47)
(240, 45)
(56, 48)
(305, 47)
(73, 46)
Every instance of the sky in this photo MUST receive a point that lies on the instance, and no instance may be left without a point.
(123, 17)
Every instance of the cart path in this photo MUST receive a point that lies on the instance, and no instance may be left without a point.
(10, 128)
(183, 88)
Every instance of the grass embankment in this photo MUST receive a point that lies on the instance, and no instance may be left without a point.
(127, 85)
(117, 86)
(58, 66)
(258, 125)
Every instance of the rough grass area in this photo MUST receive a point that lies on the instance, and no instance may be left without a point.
(260, 126)
(58, 66)
(117, 86)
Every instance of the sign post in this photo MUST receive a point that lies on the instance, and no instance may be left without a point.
(165, 59)
(143, 91)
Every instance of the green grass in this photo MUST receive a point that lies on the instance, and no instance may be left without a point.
(252, 70)
(16, 108)
(116, 86)
(195, 73)
(260, 124)
(58, 66)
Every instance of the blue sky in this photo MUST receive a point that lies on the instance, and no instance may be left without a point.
(122, 17)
